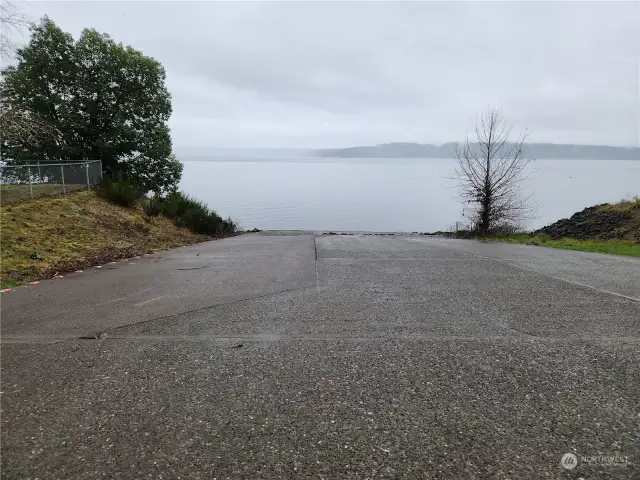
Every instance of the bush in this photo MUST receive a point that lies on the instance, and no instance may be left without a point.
(228, 226)
(200, 221)
(122, 192)
(176, 204)
(141, 225)
(153, 206)
(190, 213)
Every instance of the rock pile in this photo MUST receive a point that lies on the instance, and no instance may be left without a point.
(597, 222)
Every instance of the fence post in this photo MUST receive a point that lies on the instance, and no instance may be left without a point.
(62, 170)
(30, 185)
(39, 173)
(86, 167)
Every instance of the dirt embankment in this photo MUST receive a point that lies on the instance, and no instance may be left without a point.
(51, 235)
(601, 222)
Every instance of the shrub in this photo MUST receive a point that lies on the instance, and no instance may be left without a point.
(122, 192)
(228, 226)
(153, 206)
(200, 221)
(190, 213)
(141, 225)
(177, 204)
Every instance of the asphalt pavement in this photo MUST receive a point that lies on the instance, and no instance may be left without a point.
(327, 357)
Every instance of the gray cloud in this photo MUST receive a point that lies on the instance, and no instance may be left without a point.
(303, 74)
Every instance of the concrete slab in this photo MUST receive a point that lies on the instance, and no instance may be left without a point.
(359, 356)
(165, 283)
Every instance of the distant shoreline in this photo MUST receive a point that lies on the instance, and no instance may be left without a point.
(542, 151)
(309, 158)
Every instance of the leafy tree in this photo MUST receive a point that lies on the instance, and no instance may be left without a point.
(108, 101)
(152, 172)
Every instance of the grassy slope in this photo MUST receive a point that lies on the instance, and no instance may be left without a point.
(10, 194)
(617, 247)
(77, 230)
(627, 246)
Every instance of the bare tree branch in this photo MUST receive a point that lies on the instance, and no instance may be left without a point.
(19, 126)
(490, 172)
(12, 20)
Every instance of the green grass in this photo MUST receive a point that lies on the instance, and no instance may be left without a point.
(616, 247)
(9, 284)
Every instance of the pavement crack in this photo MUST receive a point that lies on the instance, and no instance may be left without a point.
(209, 307)
(93, 336)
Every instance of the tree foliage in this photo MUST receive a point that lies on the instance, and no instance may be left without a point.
(17, 125)
(489, 174)
(107, 101)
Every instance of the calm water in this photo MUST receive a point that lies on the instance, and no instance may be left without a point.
(384, 194)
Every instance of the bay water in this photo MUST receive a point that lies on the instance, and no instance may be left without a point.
(390, 195)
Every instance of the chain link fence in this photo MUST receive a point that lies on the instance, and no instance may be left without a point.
(35, 179)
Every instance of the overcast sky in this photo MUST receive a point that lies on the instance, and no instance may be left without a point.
(333, 74)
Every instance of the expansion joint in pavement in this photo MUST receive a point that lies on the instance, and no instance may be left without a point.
(315, 250)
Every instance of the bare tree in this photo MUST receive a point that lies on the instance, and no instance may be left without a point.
(12, 20)
(23, 127)
(489, 174)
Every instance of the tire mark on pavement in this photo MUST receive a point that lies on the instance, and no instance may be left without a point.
(201, 309)
(548, 275)
(572, 282)
(123, 298)
(154, 299)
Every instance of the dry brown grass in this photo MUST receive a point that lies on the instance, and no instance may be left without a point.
(624, 205)
(12, 194)
(77, 230)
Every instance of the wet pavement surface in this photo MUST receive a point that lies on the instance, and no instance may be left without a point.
(327, 356)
